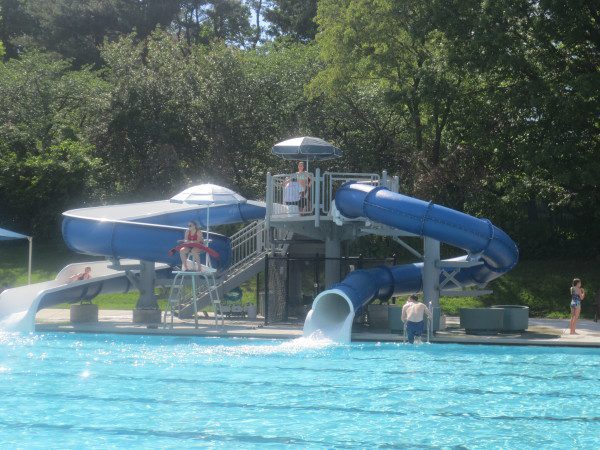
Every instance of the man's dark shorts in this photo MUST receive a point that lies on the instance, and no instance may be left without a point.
(413, 329)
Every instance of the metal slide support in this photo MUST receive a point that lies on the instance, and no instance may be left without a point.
(431, 277)
(147, 298)
(317, 196)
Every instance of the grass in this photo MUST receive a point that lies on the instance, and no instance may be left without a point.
(542, 285)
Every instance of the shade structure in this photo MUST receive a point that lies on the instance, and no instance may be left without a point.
(6, 235)
(208, 194)
(306, 149)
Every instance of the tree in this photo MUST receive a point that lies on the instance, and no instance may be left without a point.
(77, 28)
(202, 22)
(395, 48)
(293, 18)
(533, 115)
(148, 140)
(46, 163)
(15, 23)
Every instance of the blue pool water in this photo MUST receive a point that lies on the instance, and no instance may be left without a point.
(108, 391)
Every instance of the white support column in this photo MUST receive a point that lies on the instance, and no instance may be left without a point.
(431, 278)
(384, 179)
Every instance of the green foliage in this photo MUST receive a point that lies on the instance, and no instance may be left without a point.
(451, 305)
(292, 18)
(544, 286)
(46, 163)
(76, 29)
(487, 107)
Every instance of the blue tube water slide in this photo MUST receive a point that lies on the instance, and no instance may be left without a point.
(150, 237)
(333, 310)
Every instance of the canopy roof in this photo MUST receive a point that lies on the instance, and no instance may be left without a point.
(6, 235)
(208, 194)
(306, 148)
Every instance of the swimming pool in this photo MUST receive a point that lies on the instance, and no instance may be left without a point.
(99, 391)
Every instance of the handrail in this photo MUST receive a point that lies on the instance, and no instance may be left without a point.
(250, 242)
(247, 243)
(321, 191)
(429, 321)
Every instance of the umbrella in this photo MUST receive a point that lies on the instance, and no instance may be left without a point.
(7, 235)
(306, 149)
(208, 194)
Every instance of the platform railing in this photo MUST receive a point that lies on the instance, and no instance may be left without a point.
(333, 180)
(289, 199)
(284, 203)
(248, 243)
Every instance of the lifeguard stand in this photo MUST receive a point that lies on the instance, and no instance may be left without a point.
(187, 287)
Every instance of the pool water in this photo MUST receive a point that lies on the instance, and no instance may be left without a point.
(109, 391)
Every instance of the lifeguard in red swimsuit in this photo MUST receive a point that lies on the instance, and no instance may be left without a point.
(193, 235)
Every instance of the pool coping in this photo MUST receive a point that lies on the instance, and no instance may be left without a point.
(541, 332)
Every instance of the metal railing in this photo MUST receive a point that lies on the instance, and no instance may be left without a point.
(291, 197)
(286, 198)
(332, 181)
(246, 244)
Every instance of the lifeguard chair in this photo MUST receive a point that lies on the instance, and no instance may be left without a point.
(188, 286)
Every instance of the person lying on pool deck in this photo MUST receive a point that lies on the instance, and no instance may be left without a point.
(413, 315)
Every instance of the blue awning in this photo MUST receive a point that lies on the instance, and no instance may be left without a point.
(6, 235)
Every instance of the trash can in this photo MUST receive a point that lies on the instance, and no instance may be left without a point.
(516, 317)
(481, 320)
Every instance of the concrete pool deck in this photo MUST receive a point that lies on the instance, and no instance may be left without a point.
(547, 332)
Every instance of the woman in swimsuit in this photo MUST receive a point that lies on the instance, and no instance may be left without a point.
(192, 235)
(577, 295)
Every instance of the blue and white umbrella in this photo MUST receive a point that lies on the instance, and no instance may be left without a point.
(306, 149)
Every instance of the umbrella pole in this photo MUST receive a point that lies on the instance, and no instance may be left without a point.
(208, 235)
(30, 239)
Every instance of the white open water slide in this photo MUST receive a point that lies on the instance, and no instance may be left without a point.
(18, 306)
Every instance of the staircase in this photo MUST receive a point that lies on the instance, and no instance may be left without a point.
(249, 246)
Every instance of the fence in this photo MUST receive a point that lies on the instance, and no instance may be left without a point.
(291, 283)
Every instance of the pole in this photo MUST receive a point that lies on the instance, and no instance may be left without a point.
(431, 277)
(30, 239)
(207, 235)
(266, 311)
